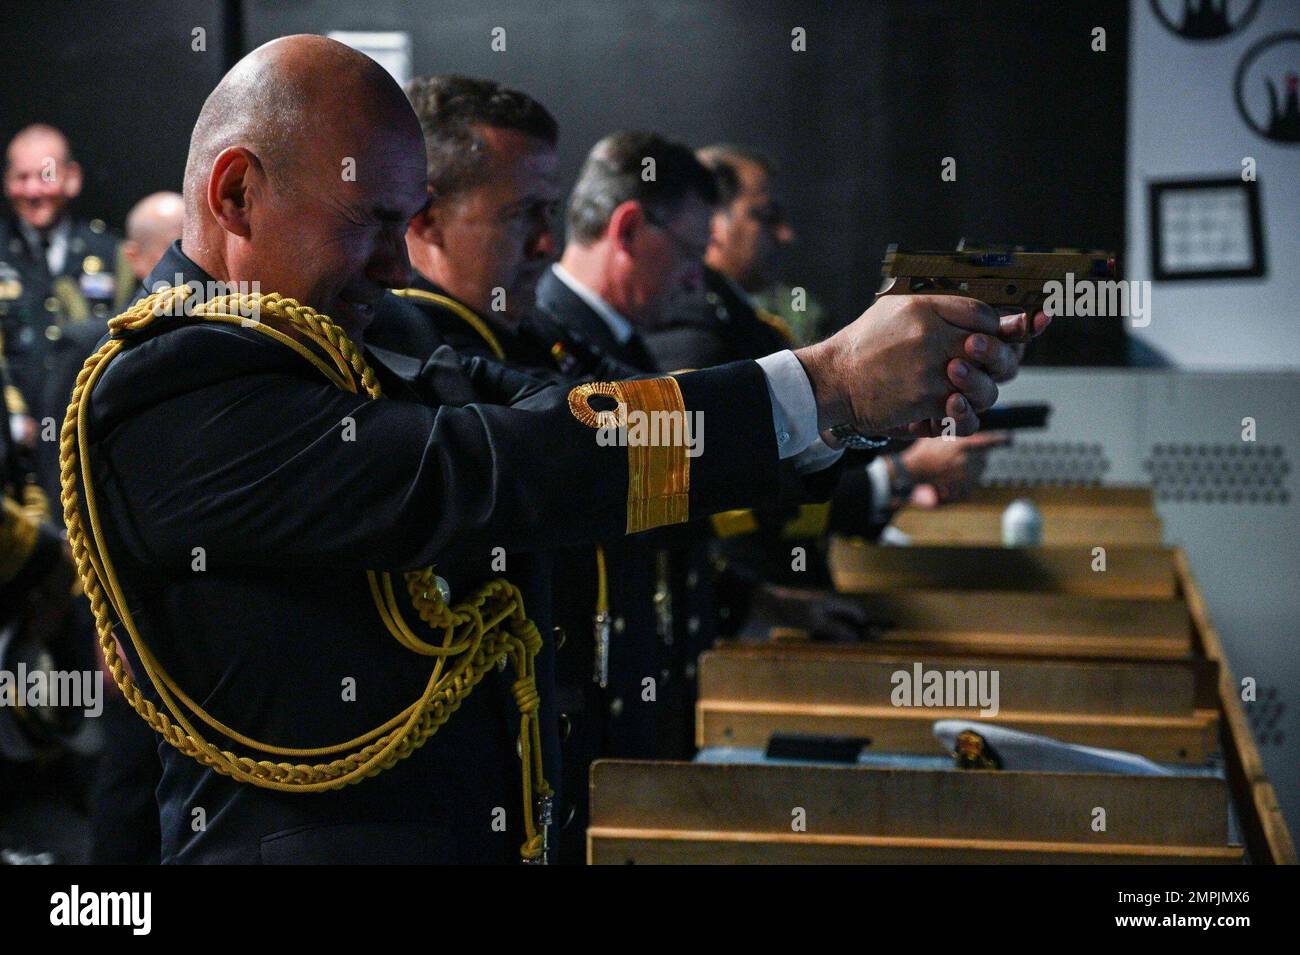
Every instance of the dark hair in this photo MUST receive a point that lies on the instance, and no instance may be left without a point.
(723, 160)
(451, 107)
(613, 174)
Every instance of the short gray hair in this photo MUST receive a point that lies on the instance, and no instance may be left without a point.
(613, 174)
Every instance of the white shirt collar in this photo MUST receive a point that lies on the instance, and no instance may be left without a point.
(618, 325)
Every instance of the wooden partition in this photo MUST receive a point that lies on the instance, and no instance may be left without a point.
(1035, 624)
(1164, 710)
(1115, 571)
(646, 812)
(1123, 658)
(1071, 517)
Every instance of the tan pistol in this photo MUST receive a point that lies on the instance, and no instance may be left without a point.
(1005, 279)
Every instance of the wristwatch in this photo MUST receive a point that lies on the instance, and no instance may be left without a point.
(854, 440)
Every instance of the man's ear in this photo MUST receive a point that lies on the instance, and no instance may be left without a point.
(625, 224)
(131, 251)
(718, 225)
(427, 226)
(228, 189)
(72, 179)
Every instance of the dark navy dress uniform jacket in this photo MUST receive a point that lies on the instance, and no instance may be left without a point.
(214, 436)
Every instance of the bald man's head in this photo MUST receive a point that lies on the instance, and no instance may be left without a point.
(152, 225)
(305, 165)
(41, 177)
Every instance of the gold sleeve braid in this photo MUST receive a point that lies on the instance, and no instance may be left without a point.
(659, 474)
(488, 629)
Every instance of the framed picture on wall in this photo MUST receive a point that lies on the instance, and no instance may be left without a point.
(1206, 229)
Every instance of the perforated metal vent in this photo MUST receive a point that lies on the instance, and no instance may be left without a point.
(1242, 473)
(1047, 463)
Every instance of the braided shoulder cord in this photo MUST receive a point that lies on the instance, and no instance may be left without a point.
(486, 630)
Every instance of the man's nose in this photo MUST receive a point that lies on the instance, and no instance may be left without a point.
(390, 265)
(34, 186)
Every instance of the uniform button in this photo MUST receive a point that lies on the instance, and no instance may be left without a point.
(616, 706)
(664, 675)
(783, 437)
(443, 588)
(53, 332)
(690, 671)
(566, 727)
(100, 310)
(693, 625)
(619, 624)
(51, 304)
(692, 579)
(560, 637)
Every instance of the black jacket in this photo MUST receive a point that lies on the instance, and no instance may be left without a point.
(216, 437)
(722, 326)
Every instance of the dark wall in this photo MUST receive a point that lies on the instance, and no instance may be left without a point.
(121, 79)
(860, 122)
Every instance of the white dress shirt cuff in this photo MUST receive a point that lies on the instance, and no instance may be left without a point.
(794, 414)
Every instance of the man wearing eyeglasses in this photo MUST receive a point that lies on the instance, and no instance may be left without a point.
(747, 231)
(638, 228)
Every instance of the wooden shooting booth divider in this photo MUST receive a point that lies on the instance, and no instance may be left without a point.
(1071, 517)
(1123, 658)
